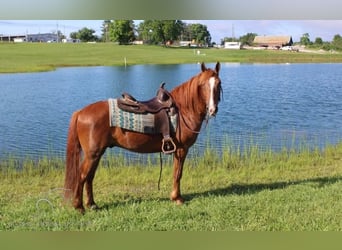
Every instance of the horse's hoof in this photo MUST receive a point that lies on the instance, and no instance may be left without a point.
(178, 200)
(81, 210)
(93, 207)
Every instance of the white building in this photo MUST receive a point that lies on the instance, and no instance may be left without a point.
(232, 45)
(70, 40)
(19, 39)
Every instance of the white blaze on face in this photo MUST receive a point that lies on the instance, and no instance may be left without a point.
(211, 106)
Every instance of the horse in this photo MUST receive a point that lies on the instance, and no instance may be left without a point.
(90, 134)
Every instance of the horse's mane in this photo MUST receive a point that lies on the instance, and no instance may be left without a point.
(187, 94)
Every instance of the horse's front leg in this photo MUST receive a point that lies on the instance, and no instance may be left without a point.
(178, 162)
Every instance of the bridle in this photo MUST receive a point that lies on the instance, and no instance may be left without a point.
(207, 116)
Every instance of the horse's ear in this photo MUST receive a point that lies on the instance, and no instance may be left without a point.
(218, 67)
(203, 68)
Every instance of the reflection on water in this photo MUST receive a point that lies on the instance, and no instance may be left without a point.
(271, 105)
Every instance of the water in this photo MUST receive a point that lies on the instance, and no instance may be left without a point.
(271, 105)
(285, 104)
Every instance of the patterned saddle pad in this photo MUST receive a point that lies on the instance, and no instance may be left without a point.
(142, 123)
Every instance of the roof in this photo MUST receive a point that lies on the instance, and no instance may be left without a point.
(273, 40)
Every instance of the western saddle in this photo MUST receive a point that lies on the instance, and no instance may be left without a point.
(162, 106)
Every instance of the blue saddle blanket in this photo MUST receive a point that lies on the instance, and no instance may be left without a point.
(142, 123)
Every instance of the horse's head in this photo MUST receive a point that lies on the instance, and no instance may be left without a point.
(210, 88)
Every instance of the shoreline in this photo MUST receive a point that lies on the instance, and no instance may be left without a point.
(27, 58)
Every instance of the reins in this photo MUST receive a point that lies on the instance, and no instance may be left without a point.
(187, 126)
(161, 169)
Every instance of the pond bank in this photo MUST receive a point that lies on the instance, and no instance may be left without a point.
(37, 57)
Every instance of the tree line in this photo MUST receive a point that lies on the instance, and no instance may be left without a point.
(150, 31)
(167, 31)
(318, 43)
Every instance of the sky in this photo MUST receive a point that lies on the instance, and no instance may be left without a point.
(325, 29)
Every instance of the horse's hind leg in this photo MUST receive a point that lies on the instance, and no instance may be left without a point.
(90, 203)
(88, 168)
(78, 198)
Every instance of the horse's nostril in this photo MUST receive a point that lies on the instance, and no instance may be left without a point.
(212, 111)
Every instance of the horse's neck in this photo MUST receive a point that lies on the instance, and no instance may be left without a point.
(190, 104)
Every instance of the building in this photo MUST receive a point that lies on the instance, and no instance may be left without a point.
(12, 38)
(19, 39)
(70, 40)
(232, 45)
(275, 42)
(45, 37)
(188, 44)
(138, 42)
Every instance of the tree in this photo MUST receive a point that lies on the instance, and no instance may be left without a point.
(200, 33)
(167, 30)
(60, 35)
(160, 31)
(105, 30)
(305, 39)
(122, 31)
(248, 39)
(337, 42)
(73, 35)
(318, 41)
(327, 46)
(84, 34)
(145, 31)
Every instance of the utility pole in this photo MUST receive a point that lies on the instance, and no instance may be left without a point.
(233, 35)
(106, 32)
(57, 32)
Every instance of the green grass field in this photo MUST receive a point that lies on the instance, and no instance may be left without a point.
(33, 57)
(243, 191)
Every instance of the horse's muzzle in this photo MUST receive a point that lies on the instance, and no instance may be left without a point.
(212, 111)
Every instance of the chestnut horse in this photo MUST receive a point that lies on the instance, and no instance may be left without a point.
(90, 133)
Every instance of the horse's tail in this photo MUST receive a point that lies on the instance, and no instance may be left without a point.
(73, 153)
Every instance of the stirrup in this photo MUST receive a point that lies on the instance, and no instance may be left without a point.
(168, 146)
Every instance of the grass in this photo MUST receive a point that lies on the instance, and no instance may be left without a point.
(243, 191)
(35, 57)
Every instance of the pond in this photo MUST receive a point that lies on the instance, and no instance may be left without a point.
(268, 105)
